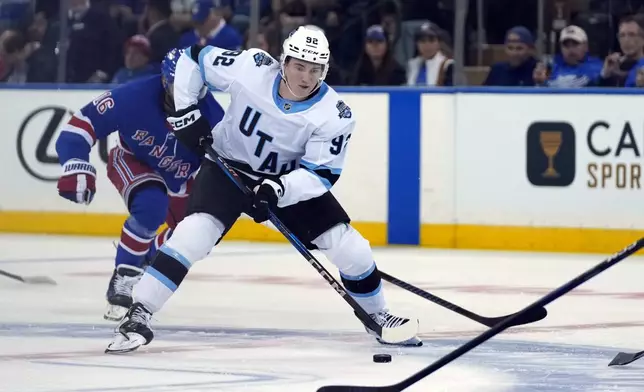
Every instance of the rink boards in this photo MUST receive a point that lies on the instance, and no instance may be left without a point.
(532, 169)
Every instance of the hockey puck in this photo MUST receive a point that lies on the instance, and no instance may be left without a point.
(382, 358)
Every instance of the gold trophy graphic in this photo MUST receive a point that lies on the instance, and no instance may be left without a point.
(550, 143)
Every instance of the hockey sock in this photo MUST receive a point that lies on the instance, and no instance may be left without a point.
(134, 244)
(148, 208)
(159, 240)
(366, 288)
(161, 279)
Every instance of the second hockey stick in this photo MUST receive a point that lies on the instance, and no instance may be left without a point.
(490, 333)
(29, 279)
(531, 317)
(391, 335)
(622, 359)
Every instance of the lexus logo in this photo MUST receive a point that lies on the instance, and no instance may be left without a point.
(37, 138)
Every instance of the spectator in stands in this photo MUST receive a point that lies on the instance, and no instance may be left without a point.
(43, 62)
(95, 43)
(51, 9)
(267, 40)
(337, 18)
(618, 65)
(431, 67)
(639, 77)
(574, 67)
(126, 14)
(293, 14)
(389, 17)
(12, 12)
(518, 69)
(261, 42)
(211, 27)
(390, 20)
(635, 77)
(241, 15)
(13, 55)
(159, 31)
(128, 7)
(181, 17)
(337, 76)
(137, 60)
(377, 67)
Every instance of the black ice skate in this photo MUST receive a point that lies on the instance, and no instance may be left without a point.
(119, 291)
(387, 320)
(133, 332)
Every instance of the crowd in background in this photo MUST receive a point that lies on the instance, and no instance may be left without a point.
(373, 42)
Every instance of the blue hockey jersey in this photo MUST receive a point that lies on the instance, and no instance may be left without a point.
(135, 111)
(587, 73)
(632, 74)
(227, 38)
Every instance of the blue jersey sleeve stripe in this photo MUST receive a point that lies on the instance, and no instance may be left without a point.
(314, 167)
(202, 68)
(328, 176)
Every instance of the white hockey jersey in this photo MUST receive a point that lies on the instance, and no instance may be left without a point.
(304, 142)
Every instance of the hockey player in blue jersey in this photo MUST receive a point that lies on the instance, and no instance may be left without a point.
(149, 168)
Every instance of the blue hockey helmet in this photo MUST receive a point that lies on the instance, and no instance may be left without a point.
(168, 67)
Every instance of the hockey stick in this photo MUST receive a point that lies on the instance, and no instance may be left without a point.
(29, 279)
(622, 359)
(530, 317)
(553, 295)
(390, 335)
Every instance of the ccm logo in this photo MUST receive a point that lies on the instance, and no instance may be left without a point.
(184, 121)
(309, 51)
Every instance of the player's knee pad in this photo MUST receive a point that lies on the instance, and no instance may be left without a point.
(194, 237)
(351, 253)
(346, 248)
(149, 206)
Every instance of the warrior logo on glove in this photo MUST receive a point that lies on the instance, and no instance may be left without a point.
(78, 182)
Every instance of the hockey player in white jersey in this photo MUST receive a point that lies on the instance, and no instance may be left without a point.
(286, 133)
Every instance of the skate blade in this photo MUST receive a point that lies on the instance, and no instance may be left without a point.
(125, 344)
(400, 334)
(413, 342)
(115, 312)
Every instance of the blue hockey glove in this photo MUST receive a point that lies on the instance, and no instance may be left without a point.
(267, 194)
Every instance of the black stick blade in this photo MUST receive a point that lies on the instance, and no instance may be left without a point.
(622, 359)
(528, 318)
(29, 279)
(349, 388)
(538, 314)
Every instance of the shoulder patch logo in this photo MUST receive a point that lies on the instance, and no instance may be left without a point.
(343, 109)
(262, 59)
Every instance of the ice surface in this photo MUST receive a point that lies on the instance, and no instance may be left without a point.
(257, 317)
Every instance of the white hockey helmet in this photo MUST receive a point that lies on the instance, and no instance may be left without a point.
(307, 43)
